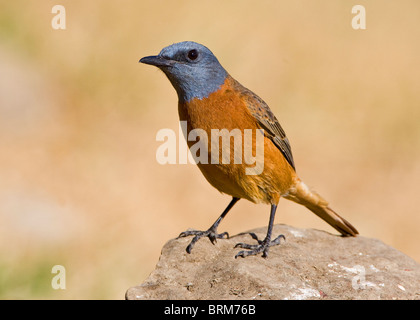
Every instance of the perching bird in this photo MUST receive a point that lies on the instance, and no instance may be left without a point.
(209, 98)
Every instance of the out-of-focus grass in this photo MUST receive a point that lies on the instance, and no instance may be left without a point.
(23, 282)
(79, 183)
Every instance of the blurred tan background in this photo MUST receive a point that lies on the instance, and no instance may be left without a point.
(79, 182)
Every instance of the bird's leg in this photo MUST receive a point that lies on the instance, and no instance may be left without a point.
(211, 233)
(263, 245)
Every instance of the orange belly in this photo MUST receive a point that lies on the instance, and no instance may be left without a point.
(225, 109)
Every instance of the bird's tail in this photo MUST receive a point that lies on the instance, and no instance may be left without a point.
(301, 194)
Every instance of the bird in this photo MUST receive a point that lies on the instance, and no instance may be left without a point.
(210, 98)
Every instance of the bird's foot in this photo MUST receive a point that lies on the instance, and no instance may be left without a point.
(210, 233)
(262, 246)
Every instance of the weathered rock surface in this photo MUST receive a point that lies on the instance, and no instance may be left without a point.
(310, 264)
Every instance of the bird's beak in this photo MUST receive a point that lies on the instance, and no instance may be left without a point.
(157, 61)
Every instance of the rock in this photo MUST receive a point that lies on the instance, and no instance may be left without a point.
(310, 264)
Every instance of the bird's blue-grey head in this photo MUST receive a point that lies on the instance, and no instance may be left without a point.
(192, 68)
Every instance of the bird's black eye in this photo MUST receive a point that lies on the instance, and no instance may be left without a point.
(192, 54)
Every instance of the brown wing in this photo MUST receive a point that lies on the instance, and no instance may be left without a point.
(267, 121)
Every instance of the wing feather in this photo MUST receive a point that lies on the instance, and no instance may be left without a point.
(267, 121)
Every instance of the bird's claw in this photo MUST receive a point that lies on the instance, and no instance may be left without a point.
(210, 233)
(262, 246)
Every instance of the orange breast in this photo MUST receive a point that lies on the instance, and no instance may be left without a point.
(225, 109)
